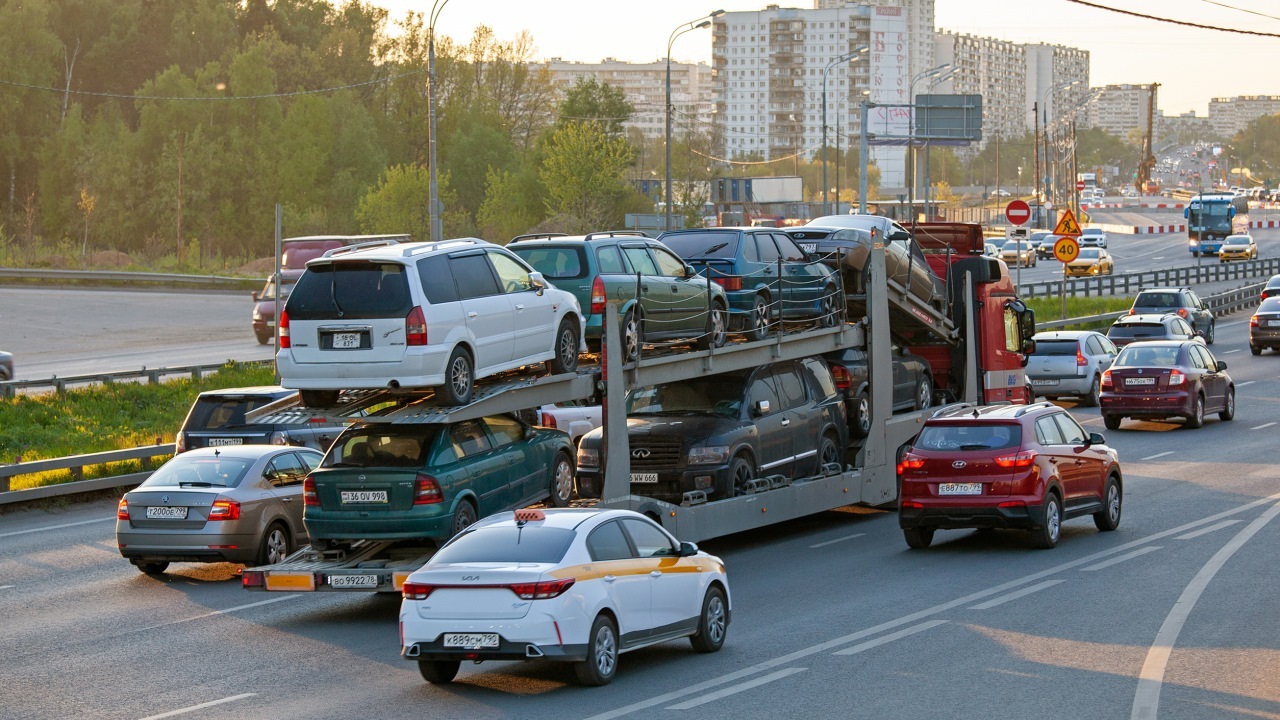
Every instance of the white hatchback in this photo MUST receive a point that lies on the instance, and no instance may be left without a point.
(570, 585)
(419, 315)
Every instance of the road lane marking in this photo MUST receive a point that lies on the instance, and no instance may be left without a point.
(1015, 595)
(1117, 560)
(1229, 324)
(1246, 382)
(7, 587)
(1262, 426)
(884, 640)
(215, 613)
(1146, 700)
(1158, 455)
(833, 542)
(1230, 351)
(55, 527)
(1206, 531)
(712, 697)
(201, 706)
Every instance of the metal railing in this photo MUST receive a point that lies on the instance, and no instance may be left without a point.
(210, 282)
(1130, 283)
(10, 388)
(1225, 302)
(76, 464)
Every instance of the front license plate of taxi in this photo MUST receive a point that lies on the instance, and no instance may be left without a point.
(1140, 381)
(960, 489)
(471, 640)
(644, 477)
(168, 513)
(346, 341)
(363, 496)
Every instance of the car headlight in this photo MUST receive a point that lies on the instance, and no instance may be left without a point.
(588, 457)
(713, 455)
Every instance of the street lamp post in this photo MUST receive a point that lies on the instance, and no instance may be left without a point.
(680, 30)
(911, 131)
(1043, 112)
(433, 209)
(847, 57)
(928, 186)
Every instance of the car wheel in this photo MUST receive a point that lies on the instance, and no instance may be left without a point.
(275, 545)
(602, 654)
(861, 415)
(1256, 350)
(713, 626)
(562, 481)
(1045, 536)
(150, 568)
(1196, 419)
(759, 319)
(459, 379)
(1208, 335)
(918, 538)
(1095, 390)
(717, 334)
(439, 672)
(1108, 518)
(463, 517)
(1229, 410)
(741, 472)
(264, 339)
(829, 308)
(924, 393)
(829, 452)
(1195, 253)
(319, 398)
(630, 336)
(565, 359)
(1112, 422)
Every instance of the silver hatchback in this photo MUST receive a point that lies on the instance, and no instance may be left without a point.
(1070, 363)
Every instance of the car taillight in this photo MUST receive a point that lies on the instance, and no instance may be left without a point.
(284, 330)
(1106, 379)
(224, 510)
(427, 491)
(309, 496)
(1182, 312)
(598, 298)
(415, 327)
(1017, 460)
(1177, 377)
(180, 443)
(1080, 358)
(544, 590)
(840, 374)
(548, 420)
(122, 510)
(416, 591)
(1253, 321)
(911, 462)
(728, 283)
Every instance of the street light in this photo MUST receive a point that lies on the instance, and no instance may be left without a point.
(680, 30)
(911, 132)
(847, 57)
(1039, 111)
(433, 210)
(928, 187)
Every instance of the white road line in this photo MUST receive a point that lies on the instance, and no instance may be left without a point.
(1146, 701)
(1015, 595)
(1229, 324)
(201, 706)
(1201, 531)
(1246, 382)
(1117, 560)
(1262, 426)
(890, 637)
(1231, 351)
(56, 527)
(7, 587)
(1158, 455)
(833, 542)
(712, 697)
(290, 596)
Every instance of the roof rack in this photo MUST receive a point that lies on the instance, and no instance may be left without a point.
(346, 249)
(1033, 406)
(420, 248)
(614, 233)
(953, 409)
(536, 236)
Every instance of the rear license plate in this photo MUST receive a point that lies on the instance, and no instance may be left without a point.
(1140, 381)
(1044, 382)
(960, 489)
(1273, 323)
(471, 640)
(353, 581)
(226, 441)
(809, 247)
(168, 513)
(346, 341)
(644, 477)
(364, 496)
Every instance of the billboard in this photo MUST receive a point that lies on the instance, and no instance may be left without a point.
(949, 119)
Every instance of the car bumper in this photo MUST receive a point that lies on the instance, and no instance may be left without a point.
(419, 369)
(195, 546)
(1060, 386)
(1264, 337)
(1155, 405)
(1235, 256)
(433, 522)
(671, 486)
(537, 635)
(954, 515)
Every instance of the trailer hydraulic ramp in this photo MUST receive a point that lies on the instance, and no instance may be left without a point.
(915, 322)
(289, 410)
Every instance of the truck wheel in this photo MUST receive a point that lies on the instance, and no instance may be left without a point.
(602, 654)
(439, 672)
(561, 481)
(565, 353)
(319, 398)
(463, 517)
(718, 332)
(459, 379)
(150, 568)
(275, 545)
(713, 626)
(1045, 536)
(759, 328)
(918, 538)
(861, 416)
(741, 472)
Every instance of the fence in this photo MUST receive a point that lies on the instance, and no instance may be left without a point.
(1131, 283)
(10, 388)
(206, 282)
(76, 464)
(1226, 302)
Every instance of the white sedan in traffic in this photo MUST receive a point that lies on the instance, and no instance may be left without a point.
(570, 585)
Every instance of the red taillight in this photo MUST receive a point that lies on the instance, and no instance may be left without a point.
(1106, 379)
(417, 591)
(415, 327)
(284, 330)
(598, 298)
(1012, 504)
(224, 510)
(253, 578)
(544, 590)
(911, 504)
(427, 491)
(309, 496)
(1017, 460)
(728, 283)
(1177, 377)
(841, 375)
(912, 462)
(122, 510)
(1253, 321)
(1182, 312)
(548, 420)
(1080, 359)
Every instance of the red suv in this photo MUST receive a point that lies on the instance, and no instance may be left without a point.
(1006, 466)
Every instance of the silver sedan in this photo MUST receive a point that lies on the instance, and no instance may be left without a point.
(230, 504)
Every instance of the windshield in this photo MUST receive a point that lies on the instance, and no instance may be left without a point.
(505, 544)
(722, 245)
(353, 290)
(269, 290)
(1015, 244)
(1088, 254)
(981, 436)
(1142, 356)
(719, 395)
(1210, 216)
(555, 263)
(378, 445)
(202, 471)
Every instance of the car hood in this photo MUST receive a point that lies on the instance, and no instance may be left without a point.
(689, 429)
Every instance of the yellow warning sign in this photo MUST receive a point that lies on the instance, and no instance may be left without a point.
(1066, 249)
(1067, 224)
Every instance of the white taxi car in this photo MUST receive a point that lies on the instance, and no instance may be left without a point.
(572, 585)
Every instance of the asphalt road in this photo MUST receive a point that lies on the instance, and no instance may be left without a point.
(1170, 617)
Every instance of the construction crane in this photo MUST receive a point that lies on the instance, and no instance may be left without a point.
(1147, 158)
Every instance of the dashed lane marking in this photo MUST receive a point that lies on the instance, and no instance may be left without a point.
(1117, 560)
(885, 639)
(833, 542)
(201, 706)
(1015, 595)
(1158, 455)
(717, 695)
(1206, 531)
(56, 527)
(1262, 426)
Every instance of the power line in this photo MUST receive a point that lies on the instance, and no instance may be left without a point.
(1131, 13)
(1243, 10)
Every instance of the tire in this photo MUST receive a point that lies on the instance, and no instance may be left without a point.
(829, 452)
(1112, 422)
(150, 568)
(439, 672)
(924, 393)
(713, 626)
(1045, 536)
(602, 654)
(561, 487)
(319, 398)
(565, 359)
(459, 379)
(1095, 391)
(829, 308)
(861, 426)
(719, 331)
(631, 339)
(463, 516)
(1196, 418)
(1229, 410)
(740, 472)
(1195, 253)
(1254, 349)
(1208, 336)
(758, 328)
(918, 538)
(1108, 518)
(262, 340)
(276, 544)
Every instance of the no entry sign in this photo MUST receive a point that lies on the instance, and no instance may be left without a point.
(1018, 212)
(1079, 185)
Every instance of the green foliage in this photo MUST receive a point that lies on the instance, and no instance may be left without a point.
(505, 212)
(1050, 308)
(583, 172)
(590, 101)
(1259, 146)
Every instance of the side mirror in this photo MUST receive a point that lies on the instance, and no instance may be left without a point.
(899, 235)
(537, 281)
(255, 296)
(689, 271)
(688, 549)
(1222, 365)
(761, 408)
(1028, 347)
(1097, 439)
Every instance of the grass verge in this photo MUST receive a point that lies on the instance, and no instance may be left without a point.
(1048, 309)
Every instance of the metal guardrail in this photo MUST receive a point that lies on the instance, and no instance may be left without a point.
(1226, 302)
(212, 282)
(10, 388)
(1130, 283)
(76, 464)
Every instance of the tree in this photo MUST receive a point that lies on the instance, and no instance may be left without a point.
(398, 204)
(1259, 145)
(589, 101)
(503, 215)
(583, 172)
(29, 54)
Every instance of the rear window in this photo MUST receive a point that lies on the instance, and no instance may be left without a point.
(703, 245)
(203, 471)
(220, 413)
(529, 544)
(1136, 330)
(555, 263)
(1139, 356)
(1055, 348)
(351, 291)
(1156, 300)
(402, 446)
(972, 436)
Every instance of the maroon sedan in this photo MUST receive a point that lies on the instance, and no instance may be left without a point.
(1166, 379)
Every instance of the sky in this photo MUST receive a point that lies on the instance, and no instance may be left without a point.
(1192, 65)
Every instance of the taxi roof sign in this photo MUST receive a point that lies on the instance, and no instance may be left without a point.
(1067, 224)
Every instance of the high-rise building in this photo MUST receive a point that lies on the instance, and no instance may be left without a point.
(1188, 126)
(1118, 109)
(994, 69)
(1051, 70)
(918, 15)
(645, 87)
(1231, 115)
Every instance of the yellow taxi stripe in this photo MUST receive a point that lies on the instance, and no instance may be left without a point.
(633, 566)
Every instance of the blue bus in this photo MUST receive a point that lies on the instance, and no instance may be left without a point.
(1211, 217)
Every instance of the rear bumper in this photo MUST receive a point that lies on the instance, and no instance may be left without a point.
(1155, 405)
(174, 547)
(944, 517)
(530, 637)
(1060, 386)
(421, 368)
(1264, 338)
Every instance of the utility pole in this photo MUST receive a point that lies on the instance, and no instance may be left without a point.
(1035, 150)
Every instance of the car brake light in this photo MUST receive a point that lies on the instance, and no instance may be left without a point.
(1253, 321)
(253, 578)
(1182, 312)
(309, 496)
(728, 283)
(1017, 460)
(224, 510)
(911, 504)
(417, 591)
(1080, 358)
(598, 298)
(840, 374)
(427, 491)
(415, 327)
(1106, 379)
(1177, 377)
(548, 420)
(180, 443)
(284, 330)
(912, 462)
(543, 590)
(122, 510)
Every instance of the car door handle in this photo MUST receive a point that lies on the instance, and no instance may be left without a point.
(471, 314)
(785, 422)
(609, 578)
(1053, 461)
(286, 499)
(655, 573)
(675, 289)
(519, 307)
(644, 288)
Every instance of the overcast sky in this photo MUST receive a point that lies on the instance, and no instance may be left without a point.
(1192, 65)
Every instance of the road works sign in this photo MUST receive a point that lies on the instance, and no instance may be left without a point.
(1018, 212)
(1067, 225)
(1066, 249)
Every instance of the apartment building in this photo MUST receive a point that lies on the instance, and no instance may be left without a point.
(1057, 83)
(1229, 116)
(1118, 109)
(994, 69)
(645, 87)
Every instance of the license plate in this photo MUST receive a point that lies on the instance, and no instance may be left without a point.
(168, 513)
(1273, 323)
(364, 496)
(353, 581)
(346, 341)
(1140, 381)
(809, 247)
(1044, 382)
(644, 477)
(960, 489)
(471, 640)
(226, 441)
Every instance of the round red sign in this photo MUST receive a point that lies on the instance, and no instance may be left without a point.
(1079, 185)
(1018, 212)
